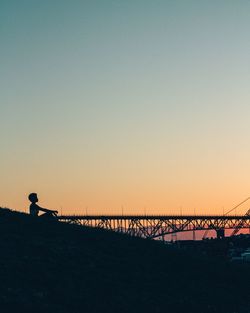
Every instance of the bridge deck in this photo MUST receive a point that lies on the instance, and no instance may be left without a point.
(152, 226)
(153, 217)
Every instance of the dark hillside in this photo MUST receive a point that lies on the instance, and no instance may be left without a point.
(56, 267)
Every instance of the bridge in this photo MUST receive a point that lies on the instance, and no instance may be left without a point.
(155, 226)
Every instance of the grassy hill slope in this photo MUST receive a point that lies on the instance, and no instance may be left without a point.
(56, 267)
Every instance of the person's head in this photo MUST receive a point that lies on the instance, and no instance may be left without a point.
(33, 198)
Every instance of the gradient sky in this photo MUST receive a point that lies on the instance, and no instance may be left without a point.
(137, 104)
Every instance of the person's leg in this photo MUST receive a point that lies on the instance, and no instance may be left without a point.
(45, 215)
(48, 216)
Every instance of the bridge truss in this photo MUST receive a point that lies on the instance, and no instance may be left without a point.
(158, 226)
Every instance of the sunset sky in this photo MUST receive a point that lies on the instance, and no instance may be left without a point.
(132, 106)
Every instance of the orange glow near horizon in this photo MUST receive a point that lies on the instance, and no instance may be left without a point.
(151, 202)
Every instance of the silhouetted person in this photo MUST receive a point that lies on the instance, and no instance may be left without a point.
(34, 208)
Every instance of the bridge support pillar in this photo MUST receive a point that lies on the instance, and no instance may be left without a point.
(220, 233)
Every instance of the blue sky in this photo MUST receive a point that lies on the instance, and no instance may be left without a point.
(142, 103)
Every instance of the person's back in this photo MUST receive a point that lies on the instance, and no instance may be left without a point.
(34, 209)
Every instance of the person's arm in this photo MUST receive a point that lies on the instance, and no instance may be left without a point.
(46, 210)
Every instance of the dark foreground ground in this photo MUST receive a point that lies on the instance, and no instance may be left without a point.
(55, 267)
